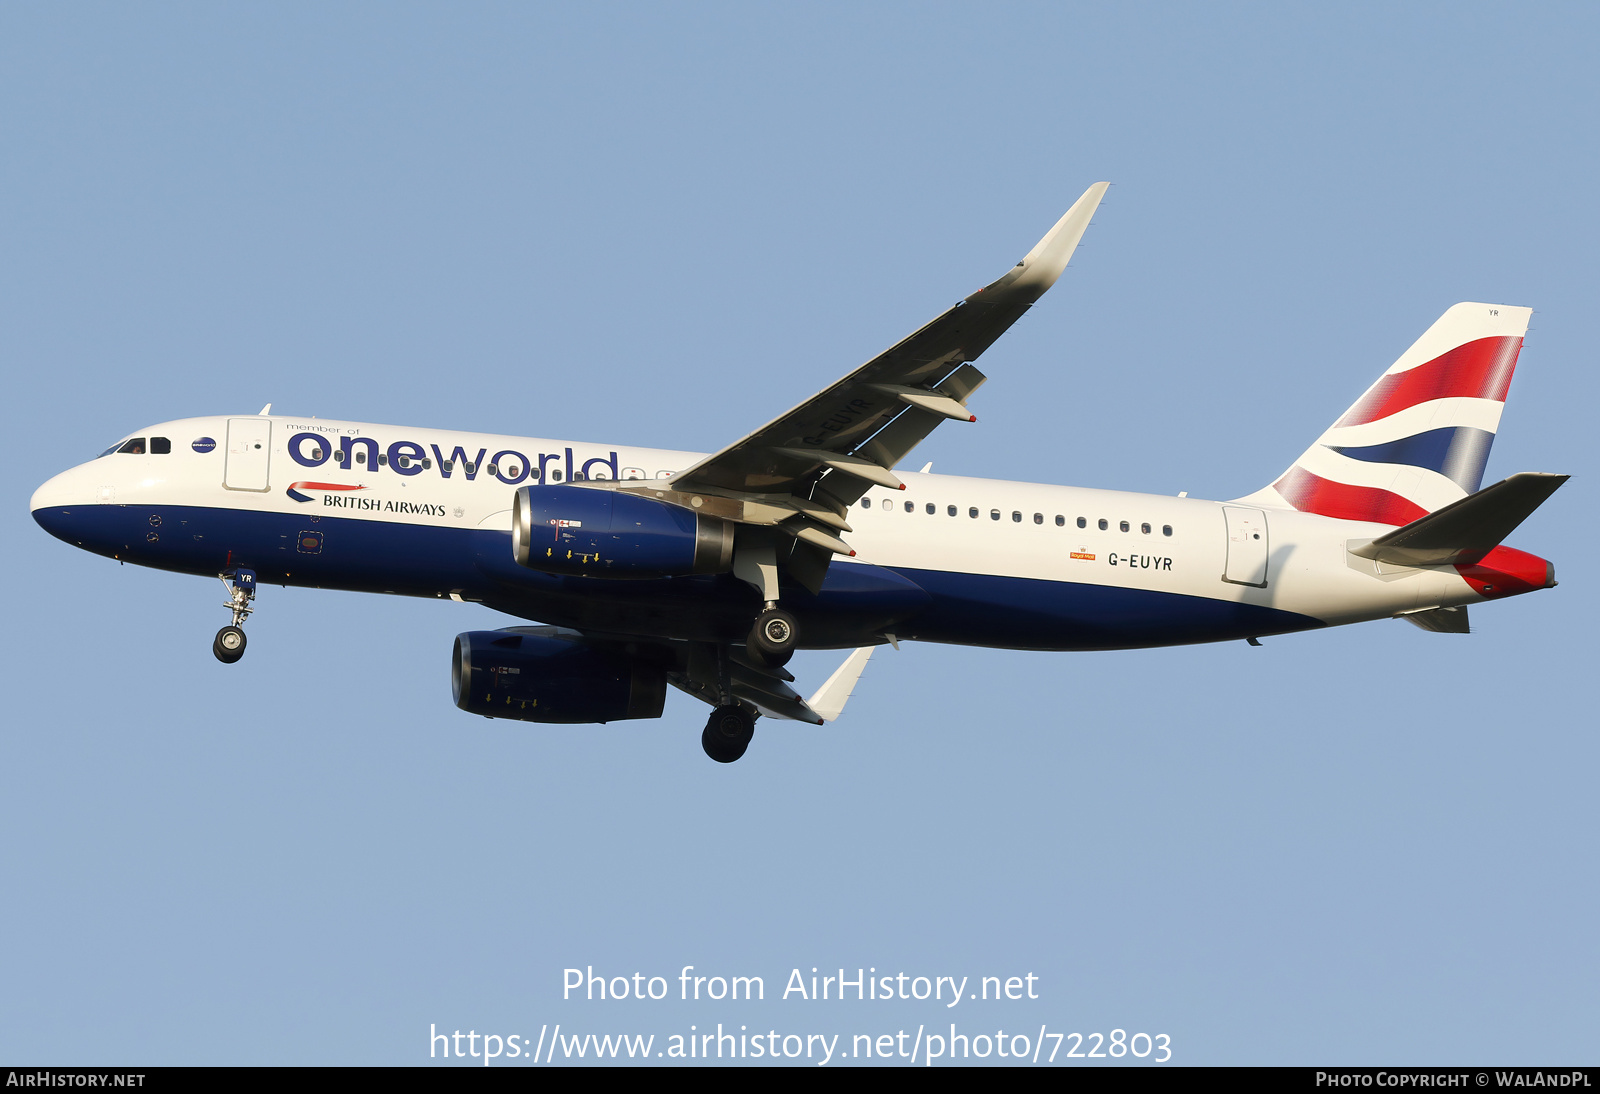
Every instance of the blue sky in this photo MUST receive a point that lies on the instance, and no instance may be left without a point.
(662, 225)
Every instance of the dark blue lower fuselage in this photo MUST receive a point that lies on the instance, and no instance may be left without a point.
(857, 605)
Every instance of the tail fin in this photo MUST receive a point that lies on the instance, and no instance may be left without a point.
(1419, 438)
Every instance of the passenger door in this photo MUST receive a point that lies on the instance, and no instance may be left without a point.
(1247, 546)
(249, 450)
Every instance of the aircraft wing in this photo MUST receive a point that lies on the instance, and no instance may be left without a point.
(799, 474)
(849, 436)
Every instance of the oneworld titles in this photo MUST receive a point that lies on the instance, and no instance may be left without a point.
(864, 984)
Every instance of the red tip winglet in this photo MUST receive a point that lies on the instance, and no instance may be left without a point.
(852, 554)
(973, 418)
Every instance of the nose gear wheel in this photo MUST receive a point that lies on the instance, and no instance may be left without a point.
(229, 644)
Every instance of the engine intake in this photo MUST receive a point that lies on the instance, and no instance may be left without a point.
(607, 533)
(545, 675)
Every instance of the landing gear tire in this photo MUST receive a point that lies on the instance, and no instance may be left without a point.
(228, 645)
(772, 639)
(727, 733)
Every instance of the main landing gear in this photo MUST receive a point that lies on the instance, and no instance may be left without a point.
(772, 639)
(229, 644)
(728, 732)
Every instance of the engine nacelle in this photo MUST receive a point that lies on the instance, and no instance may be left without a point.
(607, 533)
(551, 677)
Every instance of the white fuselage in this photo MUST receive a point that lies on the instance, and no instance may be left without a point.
(938, 523)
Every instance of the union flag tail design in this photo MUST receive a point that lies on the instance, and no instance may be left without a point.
(1419, 438)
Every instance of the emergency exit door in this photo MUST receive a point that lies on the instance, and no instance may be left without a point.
(249, 450)
(1247, 546)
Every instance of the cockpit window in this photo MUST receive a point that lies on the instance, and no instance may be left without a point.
(160, 446)
(108, 451)
(134, 447)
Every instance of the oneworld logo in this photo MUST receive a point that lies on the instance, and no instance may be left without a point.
(367, 456)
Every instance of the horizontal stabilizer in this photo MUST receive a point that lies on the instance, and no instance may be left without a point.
(1441, 620)
(831, 697)
(1466, 530)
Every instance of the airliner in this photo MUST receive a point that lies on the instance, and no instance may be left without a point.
(638, 568)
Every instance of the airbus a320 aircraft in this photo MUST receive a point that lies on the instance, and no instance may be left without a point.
(650, 567)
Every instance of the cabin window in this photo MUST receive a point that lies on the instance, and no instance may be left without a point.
(361, 456)
(1123, 525)
(1145, 528)
(577, 476)
(1061, 521)
(911, 507)
(134, 447)
(162, 446)
(932, 508)
(952, 510)
(866, 503)
(1038, 518)
(400, 461)
(1016, 516)
(888, 506)
(973, 512)
(1082, 523)
(427, 464)
(1166, 529)
(555, 476)
(447, 466)
(1102, 524)
(994, 514)
(383, 459)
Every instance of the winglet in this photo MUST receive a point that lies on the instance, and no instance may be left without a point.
(831, 697)
(1041, 266)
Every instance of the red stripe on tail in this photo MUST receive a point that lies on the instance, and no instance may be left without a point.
(1313, 494)
(1477, 370)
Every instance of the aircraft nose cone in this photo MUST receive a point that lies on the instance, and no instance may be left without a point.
(52, 503)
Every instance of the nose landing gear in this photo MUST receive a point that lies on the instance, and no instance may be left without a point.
(229, 644)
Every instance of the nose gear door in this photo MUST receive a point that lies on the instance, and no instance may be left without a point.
(1247, 546)
(249, 450)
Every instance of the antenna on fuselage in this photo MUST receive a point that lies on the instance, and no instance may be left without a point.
(265, 411)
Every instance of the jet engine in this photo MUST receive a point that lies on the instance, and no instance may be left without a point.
(607, 533)
(547, 675)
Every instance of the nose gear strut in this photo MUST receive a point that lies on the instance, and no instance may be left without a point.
(229, 644)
